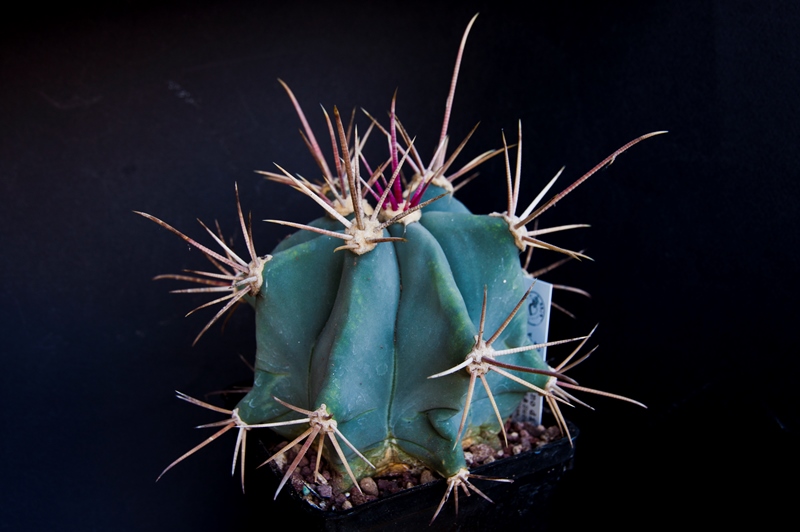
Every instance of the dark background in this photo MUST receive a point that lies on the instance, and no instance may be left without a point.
(162, 108)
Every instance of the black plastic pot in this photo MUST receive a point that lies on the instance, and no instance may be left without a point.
(523, 503)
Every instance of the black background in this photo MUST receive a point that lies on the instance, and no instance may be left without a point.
(162, 108)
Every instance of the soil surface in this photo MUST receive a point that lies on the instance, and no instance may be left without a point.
(322, 493)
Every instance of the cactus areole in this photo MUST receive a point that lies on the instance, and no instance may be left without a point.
(375, 322)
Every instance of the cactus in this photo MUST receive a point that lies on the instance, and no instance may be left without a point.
(375, 322)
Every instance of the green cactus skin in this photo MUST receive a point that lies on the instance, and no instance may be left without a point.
(380, 343)
(364, 337)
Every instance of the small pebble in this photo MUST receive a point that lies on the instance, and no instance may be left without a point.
(297, 483)
(481, 452)
(280, 461)
(387, 485)
(357, 498)
(368, 486)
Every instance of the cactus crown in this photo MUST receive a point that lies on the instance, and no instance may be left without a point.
(372, 320)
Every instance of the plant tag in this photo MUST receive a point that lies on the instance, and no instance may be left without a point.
(538, 315)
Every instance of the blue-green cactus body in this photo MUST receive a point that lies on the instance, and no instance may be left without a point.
(376, 330)
(362, 334)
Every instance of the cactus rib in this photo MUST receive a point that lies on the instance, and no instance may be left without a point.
(481, 359)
